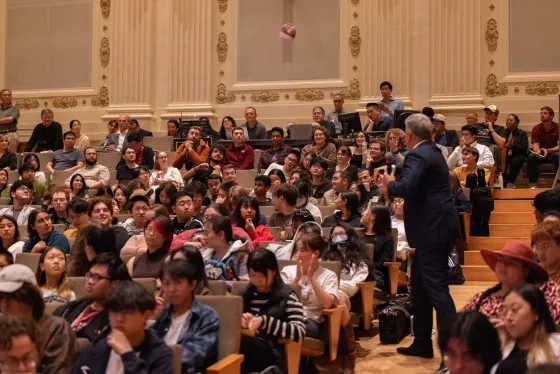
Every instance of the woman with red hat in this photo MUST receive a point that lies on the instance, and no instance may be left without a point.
(514, 266)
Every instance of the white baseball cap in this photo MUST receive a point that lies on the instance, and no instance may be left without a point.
(492, 108)
(13, 277)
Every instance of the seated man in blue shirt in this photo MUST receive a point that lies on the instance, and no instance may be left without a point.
(68, 158)
(388, 104)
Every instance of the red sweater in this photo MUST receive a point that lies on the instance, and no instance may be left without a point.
(262, 233)
(243, 158)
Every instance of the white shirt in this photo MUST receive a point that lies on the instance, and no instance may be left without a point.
(16, 248)
(349, 279)
(122, 138)
(275, 166)
(402, 242)
(172, 175)
(175, 328)
(326, 278)
(115, 364)
(485, 159)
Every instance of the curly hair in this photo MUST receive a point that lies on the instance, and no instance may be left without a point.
(400, 135)
(355, 249)
(15, 325)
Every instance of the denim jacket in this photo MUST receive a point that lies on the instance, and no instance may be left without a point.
(198, 336)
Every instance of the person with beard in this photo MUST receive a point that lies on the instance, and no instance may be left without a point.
(193, 151)
(212, 165)
(95, 175)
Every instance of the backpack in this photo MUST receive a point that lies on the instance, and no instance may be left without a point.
(482, 203)
(455, 271)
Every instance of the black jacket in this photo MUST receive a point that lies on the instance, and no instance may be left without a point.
(97, 328)
(335, 219)
(451, 139)
(45, 138)
(154, 357)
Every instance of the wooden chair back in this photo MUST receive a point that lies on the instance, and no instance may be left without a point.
(218, 288)
(176, 350)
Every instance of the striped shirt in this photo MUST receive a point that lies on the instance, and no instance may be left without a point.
(292, 328)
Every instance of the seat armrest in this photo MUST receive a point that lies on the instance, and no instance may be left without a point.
(293, 354)
(228, 365)
(393, 270)
(334, 315)
(367, 290)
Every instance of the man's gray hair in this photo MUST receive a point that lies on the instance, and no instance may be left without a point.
(420, 126)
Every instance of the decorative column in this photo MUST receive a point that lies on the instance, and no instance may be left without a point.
(386, 45)
(190, 50)
(455, 49)
(130, 70)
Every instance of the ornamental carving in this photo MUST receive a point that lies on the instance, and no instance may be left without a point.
(353, 91)
(355, 41)
(309, 95)
(222, 96)
(265, 96)
(223, 5)
(541, 89)
(65, 102)
(493, 88)
(105, 8)
(355, 1)
(104, 52)
(27, 104)
(102, 99)
(492, 34)
(222, 47)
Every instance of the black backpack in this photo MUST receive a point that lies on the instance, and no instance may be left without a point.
(482, 203)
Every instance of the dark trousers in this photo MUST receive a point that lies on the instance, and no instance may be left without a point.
(430, 289)
(497, 154)
(533, 163)
(259, 354)
(514, 164)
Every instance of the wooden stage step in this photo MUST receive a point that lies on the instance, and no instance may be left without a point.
(479, 273)
(510, 230)
(493, 243)
(513, 218)
(473, 258)
(513, 206)
(517, 193)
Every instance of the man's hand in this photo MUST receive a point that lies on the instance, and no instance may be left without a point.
(544, 152)
(188, 145)
(203, 166)
(111, 147)
(385, 108)
(119, 342)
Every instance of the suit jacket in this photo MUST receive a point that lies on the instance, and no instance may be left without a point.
(430, 216)
(114, 140)
(145, 133)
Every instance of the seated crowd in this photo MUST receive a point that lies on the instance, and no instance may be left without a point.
(189, 225)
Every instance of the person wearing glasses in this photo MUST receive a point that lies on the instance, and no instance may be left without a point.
(19, 345)
(20, 191)
(290, 163)
(87, 316)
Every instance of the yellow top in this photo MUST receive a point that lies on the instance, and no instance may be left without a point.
(462, 171)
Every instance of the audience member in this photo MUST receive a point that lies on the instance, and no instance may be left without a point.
(544, 138)
(462, 203)
(129, 306)
(144, 155)
(376, 156)
(213, 166)
(172, 126)
(247, 216)
(305, 201)
(340, 182)
(255, 129)
(165, 173)
(165, 194)
(47, 135)
(104, 143)
(444, 151)
(51, 277)
(397, 222)
(361, 143)
(388, 104)
(192, 255)
(33, 159)
(193, 151)
(320, 183)
(20, 193)
(77, 210)
(4, 186)
(469, 139)
(305, 162)
(186, 321)
(42, 234)
(277, 153)
(332, 116)
(9, 235)
(19, 345)
(137, 207)
(321, 146)
(183, 207)
(228, 124)
(471, 118)
(82, 141)
(20, 296)
(87, 316)
(94, 174)
(319, 120)
(489, 132)
(302, 222)
(285, 200)
(9, 116)
(126, 166)
(470, 158)
(290, 163)
(260, 192)
(239, 154)
(277, 177)
(375, 123)
(545, 238)
(343, 156)
(8, 160)
(68, 158)
(100, 212)
(58, 212)
(396, 142)
(543, 202)
(444, 137)
(360, 190)
(347, 204)
(118, 140)
(121, 194)
(78, 188)
(376, 219)
(134, 126)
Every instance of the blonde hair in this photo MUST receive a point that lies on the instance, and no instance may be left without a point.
(540, 351)
(156, 162)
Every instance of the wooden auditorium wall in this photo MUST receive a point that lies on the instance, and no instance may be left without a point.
(157, 60)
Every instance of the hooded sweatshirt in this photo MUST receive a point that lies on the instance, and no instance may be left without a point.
(232, 266)
(336, 218)
(284, 252)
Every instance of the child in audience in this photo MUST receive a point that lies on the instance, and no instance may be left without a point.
(9, 235)
(272, 311)
(129, 348)
(42, 234)
(20, 296)
(225, 258)
(319, 290)
(87, 316)
(247, 216)
(530, 336)
(185, 321)
(51, 277)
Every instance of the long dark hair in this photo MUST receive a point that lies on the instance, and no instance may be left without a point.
(279, 173)
(363, 202)
(352, 202)
(29, 156)
(82, 191)
(31, 231)
(535, 298)
(238, 219)
(261, 260)
(382, 224)
(16, 232)
(170, 191)
(220, 224)
(64, 289)
(193, 256)
(222, 130)
(355, 249)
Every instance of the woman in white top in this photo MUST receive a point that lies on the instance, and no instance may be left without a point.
(82, 141)
(31, 158)
(51, 277)
(397, 222)
(9, 235)
(165, 173)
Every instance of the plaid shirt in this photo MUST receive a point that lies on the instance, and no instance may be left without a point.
(198, 336)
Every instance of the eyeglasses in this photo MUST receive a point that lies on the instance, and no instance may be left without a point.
(95, 277)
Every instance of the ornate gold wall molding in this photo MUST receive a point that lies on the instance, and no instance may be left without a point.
(309, 95)
(65, 102)
(542, 89)
(493, 88)
(222, 4)
(355, 1)
(355, 40)
(492, 34)
(222, 96)
(222, 47)
(353, 91)
(105, 8)
(27, 104)
(102, 99)
(104, 52)
(265, 96)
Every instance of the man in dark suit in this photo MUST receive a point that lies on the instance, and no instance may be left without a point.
(432, 228)
(133, 125)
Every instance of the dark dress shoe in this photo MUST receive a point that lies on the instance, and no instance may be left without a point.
(416, 350)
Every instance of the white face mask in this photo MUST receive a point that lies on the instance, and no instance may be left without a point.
(340, 239)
